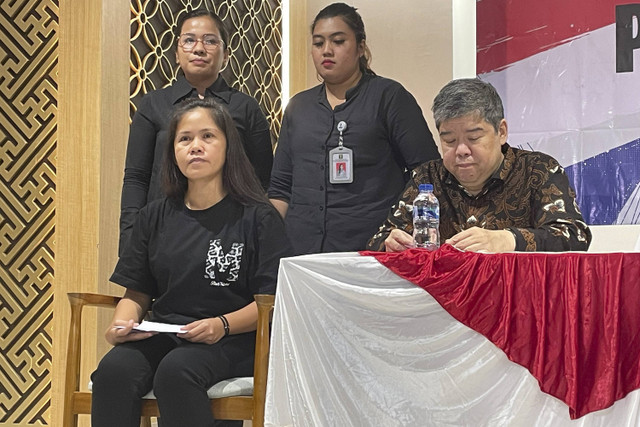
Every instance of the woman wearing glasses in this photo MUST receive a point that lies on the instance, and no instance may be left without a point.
(202, 51)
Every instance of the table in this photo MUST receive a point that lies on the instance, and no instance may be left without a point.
(355, 344)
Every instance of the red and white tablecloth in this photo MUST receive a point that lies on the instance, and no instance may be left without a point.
(496, 339)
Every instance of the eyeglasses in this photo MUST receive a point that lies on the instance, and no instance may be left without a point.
(188, 42)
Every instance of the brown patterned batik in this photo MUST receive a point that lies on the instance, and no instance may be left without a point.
(529, 194)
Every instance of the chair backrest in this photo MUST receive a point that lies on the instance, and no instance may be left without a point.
(226, 408)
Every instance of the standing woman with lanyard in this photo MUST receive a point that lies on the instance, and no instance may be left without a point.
(202, 52)
(346, 144)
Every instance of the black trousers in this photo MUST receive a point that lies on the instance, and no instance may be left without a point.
(179, 372)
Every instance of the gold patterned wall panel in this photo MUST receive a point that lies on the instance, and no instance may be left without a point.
(255, 28)
(28, 92)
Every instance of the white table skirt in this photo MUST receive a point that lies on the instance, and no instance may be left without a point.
(355, 345)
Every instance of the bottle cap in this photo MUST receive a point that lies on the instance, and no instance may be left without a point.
(425, 187)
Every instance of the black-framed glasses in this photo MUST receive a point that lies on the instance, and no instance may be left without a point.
(210, 42)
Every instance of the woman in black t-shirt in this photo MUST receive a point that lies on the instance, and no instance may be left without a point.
(200, 254)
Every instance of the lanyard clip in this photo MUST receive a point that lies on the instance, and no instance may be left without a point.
(342, 126)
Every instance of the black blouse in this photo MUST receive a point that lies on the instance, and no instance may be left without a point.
(388, 135)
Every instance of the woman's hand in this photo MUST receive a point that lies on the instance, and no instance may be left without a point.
(133, 305)
(211, 330)
(122, 331)
(207, 331)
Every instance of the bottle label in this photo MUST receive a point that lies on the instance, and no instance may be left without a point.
(423, 212)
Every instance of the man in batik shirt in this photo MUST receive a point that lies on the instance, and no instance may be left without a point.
(493, 197)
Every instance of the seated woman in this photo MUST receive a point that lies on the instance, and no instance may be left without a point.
(200, 254)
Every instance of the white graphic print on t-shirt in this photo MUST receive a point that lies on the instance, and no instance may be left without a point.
(218, 263)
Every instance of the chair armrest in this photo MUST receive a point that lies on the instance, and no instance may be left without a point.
(74, 341)
(261, 362)
(97, 300)
(78, 301)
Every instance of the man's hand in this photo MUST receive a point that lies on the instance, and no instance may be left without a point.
(480, 240)
(398, 241)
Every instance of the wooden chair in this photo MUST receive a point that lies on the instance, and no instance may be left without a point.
(223, 407)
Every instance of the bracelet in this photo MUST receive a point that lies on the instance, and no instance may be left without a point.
(225, 324)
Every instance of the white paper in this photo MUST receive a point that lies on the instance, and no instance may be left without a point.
(147, 326)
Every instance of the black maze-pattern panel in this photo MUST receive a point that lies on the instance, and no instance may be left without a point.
(28, 119)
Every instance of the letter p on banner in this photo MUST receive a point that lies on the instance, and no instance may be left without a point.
(626, 38)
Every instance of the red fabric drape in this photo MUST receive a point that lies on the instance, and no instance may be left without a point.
(572, 319)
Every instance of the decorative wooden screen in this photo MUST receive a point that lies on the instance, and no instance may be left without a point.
(255, 28)
(28, 110)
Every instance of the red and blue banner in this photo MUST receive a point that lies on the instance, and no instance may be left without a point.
(569, 75)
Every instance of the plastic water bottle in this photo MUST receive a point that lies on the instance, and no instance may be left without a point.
(426, 218)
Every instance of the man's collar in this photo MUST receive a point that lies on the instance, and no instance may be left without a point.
(181, 89)
(500, 175)
(505, 166)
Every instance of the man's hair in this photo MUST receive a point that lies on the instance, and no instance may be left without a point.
(468, 96)
(238, 176)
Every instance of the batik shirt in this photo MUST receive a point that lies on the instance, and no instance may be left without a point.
(529, 195)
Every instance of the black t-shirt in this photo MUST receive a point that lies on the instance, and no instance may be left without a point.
(200, 264)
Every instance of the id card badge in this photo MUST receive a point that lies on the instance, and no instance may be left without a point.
(341, 165)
